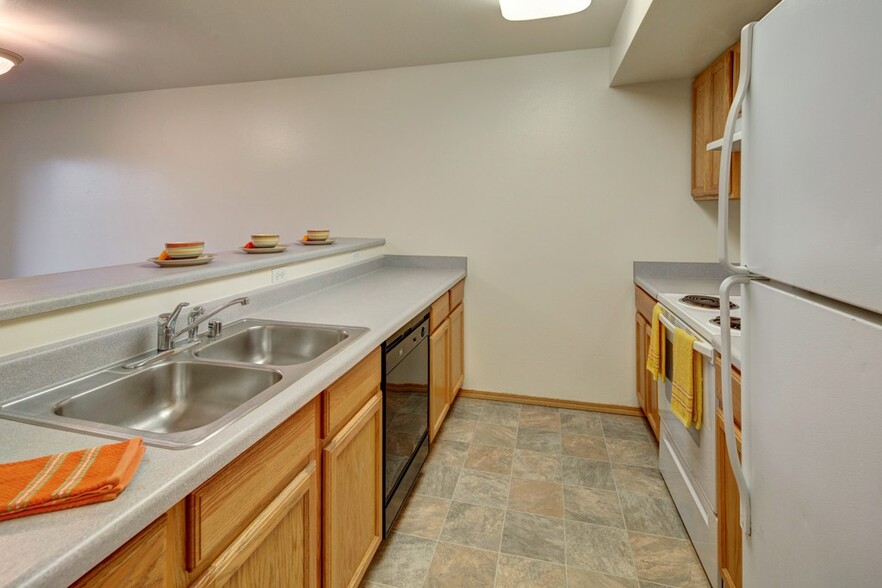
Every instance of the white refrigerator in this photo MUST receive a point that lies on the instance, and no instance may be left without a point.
(811, 276)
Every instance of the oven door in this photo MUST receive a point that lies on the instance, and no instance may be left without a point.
(697, 447)
(687, 458)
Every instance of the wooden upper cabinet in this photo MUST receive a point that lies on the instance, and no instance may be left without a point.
(140, 563)
(712, 94)
(353, 497)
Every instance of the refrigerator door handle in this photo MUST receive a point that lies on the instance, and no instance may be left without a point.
(728, 408)
(726, 157)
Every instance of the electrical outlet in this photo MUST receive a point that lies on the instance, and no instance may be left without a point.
(280, 274)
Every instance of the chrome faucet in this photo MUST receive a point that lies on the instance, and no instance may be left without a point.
(167, 334)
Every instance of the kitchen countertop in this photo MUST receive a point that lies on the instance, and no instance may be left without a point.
(55, 549)
(657, 277)
(35, 294)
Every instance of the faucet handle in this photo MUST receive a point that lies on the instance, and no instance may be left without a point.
(169, 318)
(195, 313)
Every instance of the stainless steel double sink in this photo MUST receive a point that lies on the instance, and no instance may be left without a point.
(193, 394)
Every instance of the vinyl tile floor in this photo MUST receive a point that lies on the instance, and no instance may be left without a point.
(517, 495)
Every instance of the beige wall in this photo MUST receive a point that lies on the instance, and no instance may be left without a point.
(550, 182)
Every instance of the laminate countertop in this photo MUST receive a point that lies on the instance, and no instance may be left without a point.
(57, 548)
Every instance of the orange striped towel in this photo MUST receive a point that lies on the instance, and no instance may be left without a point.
(66, 480)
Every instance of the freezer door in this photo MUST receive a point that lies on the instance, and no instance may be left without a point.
(812, 440)
(812, 196)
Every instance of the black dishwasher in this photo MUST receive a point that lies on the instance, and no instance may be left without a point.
(405, 412)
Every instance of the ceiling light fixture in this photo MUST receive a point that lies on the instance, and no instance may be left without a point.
(8, 60)
(533, 9)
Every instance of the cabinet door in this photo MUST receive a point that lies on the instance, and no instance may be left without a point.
(720, 81)
(729, 507)
(439, 386)
(353, 497)
(712, 93)
(641, 349)
(702, 127)
(650, 387)
(279, 547)
(139, 563)
(457, 373)
(219, 510)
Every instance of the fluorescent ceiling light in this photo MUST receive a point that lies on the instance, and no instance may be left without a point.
(533, 9)
(8, 60)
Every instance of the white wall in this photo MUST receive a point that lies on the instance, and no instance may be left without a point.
(550, 182)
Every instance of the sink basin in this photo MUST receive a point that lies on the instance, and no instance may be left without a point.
(169, 398)
(274, 343)
(191, 395)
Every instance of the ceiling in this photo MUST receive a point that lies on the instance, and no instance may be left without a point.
(92, 47)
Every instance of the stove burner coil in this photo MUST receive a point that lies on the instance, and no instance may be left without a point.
(704, 301)
(734, 322)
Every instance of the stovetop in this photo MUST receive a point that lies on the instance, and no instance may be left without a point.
(700, 319)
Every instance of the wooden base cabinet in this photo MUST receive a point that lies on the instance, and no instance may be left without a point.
(140, 563)
(439, 377)
(353, 497)
(279, 547)
(646, 385)
(302, 507)
(446, 343)
(728, 498)
(457, 340)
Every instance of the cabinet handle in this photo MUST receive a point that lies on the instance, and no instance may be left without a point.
(726, 157)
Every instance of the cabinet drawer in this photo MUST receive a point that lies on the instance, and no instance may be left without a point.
(346, 396)
(440, 310)
(222, 507)
(644, 303)
(736, 391)
(456, 294)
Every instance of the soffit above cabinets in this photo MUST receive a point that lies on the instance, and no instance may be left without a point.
(93, 47)
(675, 39)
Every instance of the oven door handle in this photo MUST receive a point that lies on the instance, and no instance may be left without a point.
(699, 346)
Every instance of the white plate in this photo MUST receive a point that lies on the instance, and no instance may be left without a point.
(325, 242)
(201, 260)
(276, 249)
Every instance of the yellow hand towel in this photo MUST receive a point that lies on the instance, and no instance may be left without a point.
(655, 357)
(687, 390)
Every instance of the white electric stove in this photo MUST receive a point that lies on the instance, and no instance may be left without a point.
(687, 456)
